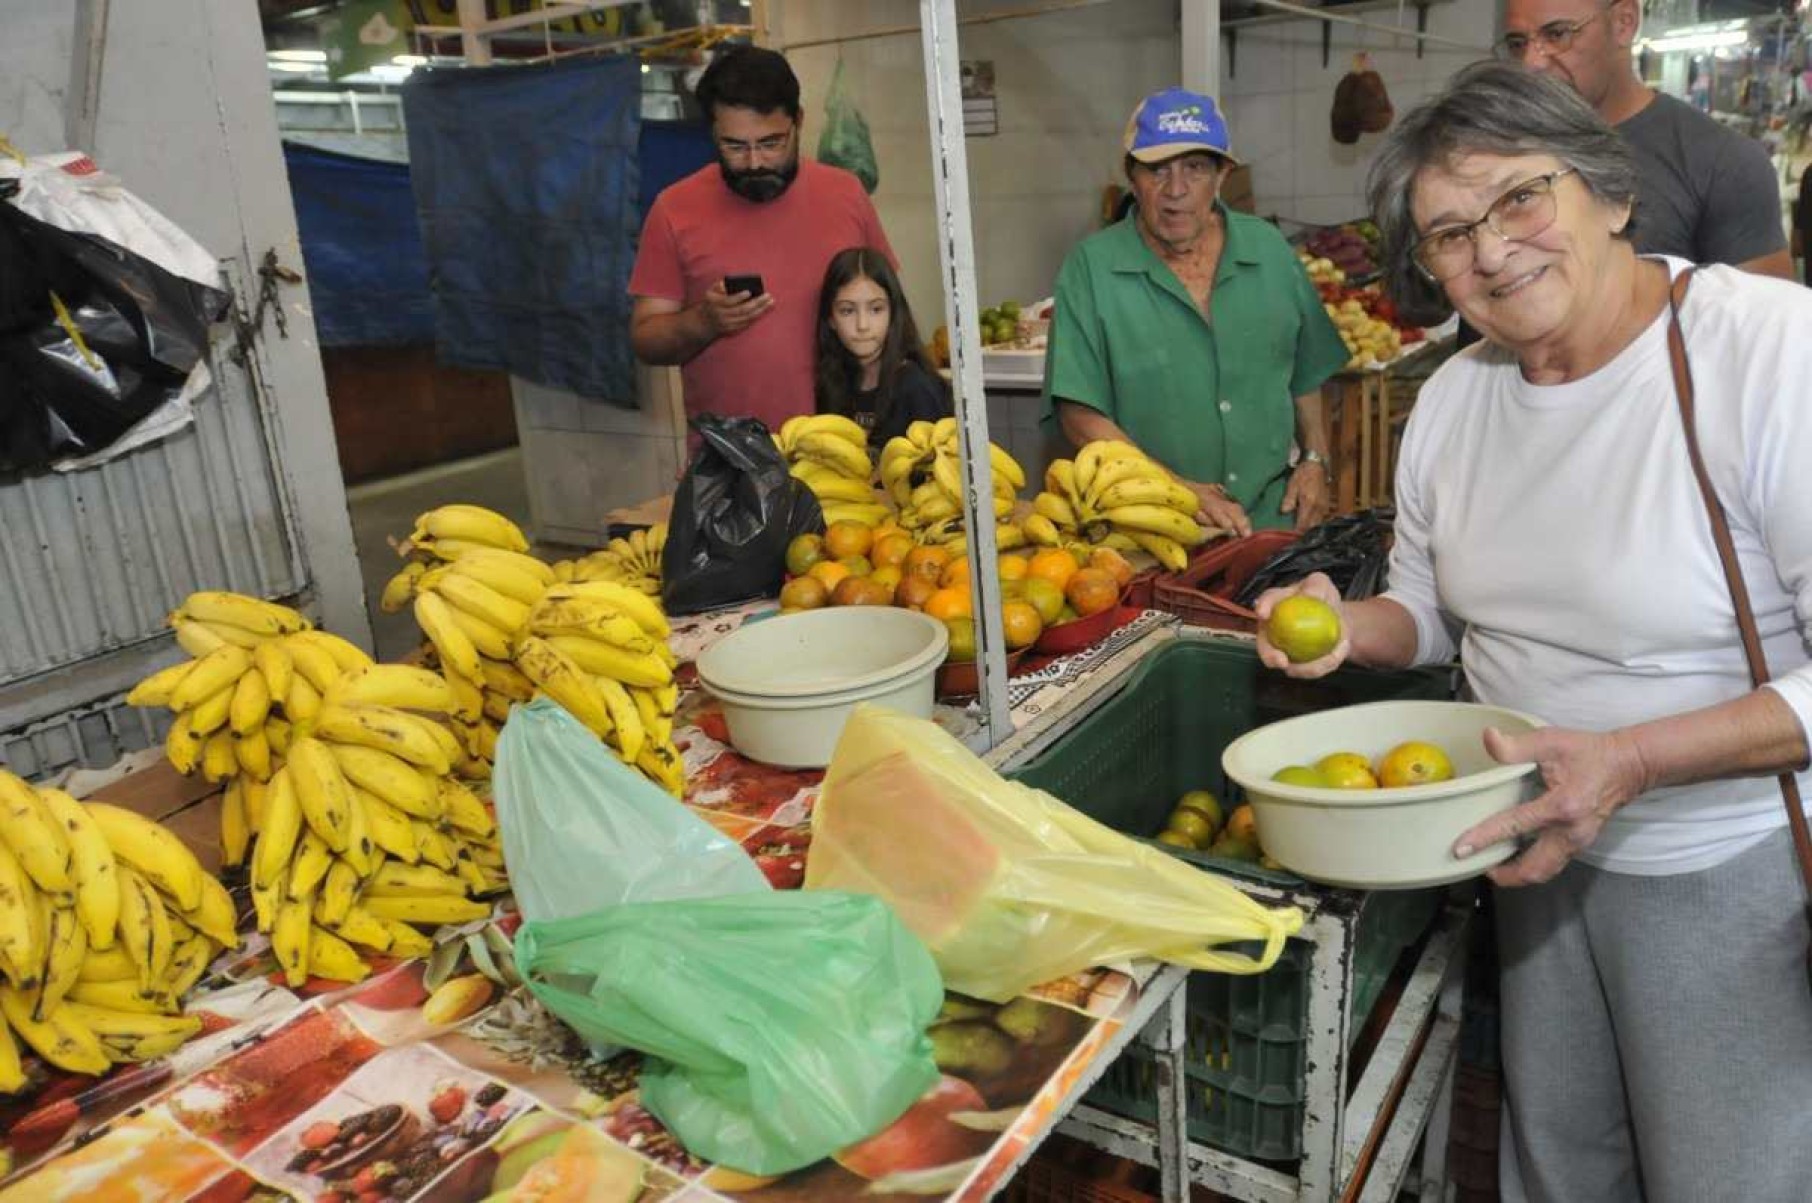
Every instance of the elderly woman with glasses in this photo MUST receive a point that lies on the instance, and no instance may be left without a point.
(1652, 928)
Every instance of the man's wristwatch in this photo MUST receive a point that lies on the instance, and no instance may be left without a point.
(1315, 457)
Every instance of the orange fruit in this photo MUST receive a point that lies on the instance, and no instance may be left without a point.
(1346, 770)
(1413, 763)
(962, 638)
(1022, 623)
(846, 538)
(1303, 628)
(829, 573)
(861, 591)
(890, 551)
(1013, 568)
(946, 604)
(1044, 597)
(1112, 563)
(803, 593)
(956, 573)
(857, 565)
(914, 591)
(1091, 590)
(1242, 825)
(1053, 564)
(888, 576)
(926, 562)
(803, 552)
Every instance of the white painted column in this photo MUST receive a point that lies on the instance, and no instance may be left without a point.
(1201, 45)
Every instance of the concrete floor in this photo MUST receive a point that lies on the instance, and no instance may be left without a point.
(385, 510)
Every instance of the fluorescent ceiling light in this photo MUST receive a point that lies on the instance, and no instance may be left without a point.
(410, 60)
(299, 56)
(302, 68)
(1698, 41)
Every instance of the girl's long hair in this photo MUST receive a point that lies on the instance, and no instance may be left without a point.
(839, 376)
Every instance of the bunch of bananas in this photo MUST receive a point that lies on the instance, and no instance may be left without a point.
(446, 535)
(1112, 493)
(106, 921)
(599, 649)
(829, 453)
(257, 669)
(364, 830)
(921, 472)
(634, 560)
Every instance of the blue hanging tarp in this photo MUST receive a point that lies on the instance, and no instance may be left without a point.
(367, 276)
(526, 182)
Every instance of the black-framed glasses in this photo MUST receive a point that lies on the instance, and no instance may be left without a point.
(765, 147)
(1556, 37)
(1516, 216)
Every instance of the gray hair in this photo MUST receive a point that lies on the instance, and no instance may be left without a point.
(1488, 108)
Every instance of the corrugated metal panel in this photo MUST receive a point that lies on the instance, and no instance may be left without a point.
(92, 561)
(92, 738)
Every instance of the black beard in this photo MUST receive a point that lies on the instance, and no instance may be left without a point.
(759, 184)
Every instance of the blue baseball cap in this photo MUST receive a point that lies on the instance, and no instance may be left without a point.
(1174, 122)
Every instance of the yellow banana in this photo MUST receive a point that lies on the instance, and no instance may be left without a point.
(34, 837)
(1150, 490)
(112, 965)
(1040, 530)
(629, 735)
(1156, 520)
(273, 662)
(211, 714)
(411, 881)
(603, 660)
(278, 833)
(391, 778)
(362, 927)
(386, 729)
(345, 653)
(303, 702)
(289, 938)
(332, 958)
(405, 941)
(836, 424)
(1057, 509)
(254, 792)
(265, 901)
(253, 752)
(219, 759)
(106, 1022)
(507, 679)
(872, 514)
(91, 866)
(922, 434)
(247, 613)
(444, 908)
(216, 917)
(484, 603)
(362, 852)
(309, 868)
(789, 432)
(153, 850)
(1088, 459)
(235, 830)
(66, 948)
(322, 790)
(144, 928)
(643, 609)
(1005, 467)
(943, 430)
(1009, 535)
(488, 640)
(946, 470)
(13, 1079)
(217, 670)
(832, 488)
(195, 638)
(61, 1039)
(401, 685)
(565, 681)
(160, 686)
(338, 892)
(187, 964)
(662, 765)
(435, 617)
(1164, 550)
(314, 664)
(121, 995)
(225, 632)
(432, 846)
(468, 697)
(836, 454)
(389, 826)
(463, 807)
(592, 618)
(278, 732)
(658, 727)
(496, 708)
(472, 524)
(401, 587)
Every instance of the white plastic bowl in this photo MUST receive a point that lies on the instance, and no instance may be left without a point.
(1398, 838)
(788, 683)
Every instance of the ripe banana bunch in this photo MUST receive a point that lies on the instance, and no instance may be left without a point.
(447, 535)
(829, 453)
(257, 670)
(106, 921)
(599, 649)
(634, 560)
(1112, 494)
(921, 473)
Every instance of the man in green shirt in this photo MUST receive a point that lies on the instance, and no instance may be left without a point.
(1193, 332)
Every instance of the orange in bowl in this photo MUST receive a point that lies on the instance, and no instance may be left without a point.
(891, 550)
(1022, 624)
(845, 539)
(1054, 565)
(829, 573)
(1091, 591)
(949, 603)
(926, 561)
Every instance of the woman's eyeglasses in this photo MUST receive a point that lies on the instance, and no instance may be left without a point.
(1516, 216)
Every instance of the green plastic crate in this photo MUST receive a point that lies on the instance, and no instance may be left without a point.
(1125, 765)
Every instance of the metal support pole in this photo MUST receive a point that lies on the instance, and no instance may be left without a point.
(1167, 1036)
(956, 256)
(1201, 43)
(87, 59)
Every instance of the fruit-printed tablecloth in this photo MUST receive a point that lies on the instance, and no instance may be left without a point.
(443, 1079)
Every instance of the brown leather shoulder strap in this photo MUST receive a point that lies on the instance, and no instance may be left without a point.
(1733, 572)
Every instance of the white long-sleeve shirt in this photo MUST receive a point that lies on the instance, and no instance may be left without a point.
(1555, 535)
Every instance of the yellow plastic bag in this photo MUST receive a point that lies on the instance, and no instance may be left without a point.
(1006, 885)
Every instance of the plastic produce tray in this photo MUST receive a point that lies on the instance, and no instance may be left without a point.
(1125, 765)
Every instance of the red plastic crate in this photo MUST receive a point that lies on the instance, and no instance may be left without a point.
(1202, 593)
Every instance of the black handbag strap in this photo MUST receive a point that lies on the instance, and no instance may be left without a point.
(1733, 573)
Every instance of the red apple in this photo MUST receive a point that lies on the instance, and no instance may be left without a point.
(923, 1137)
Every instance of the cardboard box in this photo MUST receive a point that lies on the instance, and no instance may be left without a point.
(1236, 190)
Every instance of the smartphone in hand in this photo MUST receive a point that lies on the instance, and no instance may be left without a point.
(750, 284)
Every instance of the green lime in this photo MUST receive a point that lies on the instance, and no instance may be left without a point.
(1299, 774)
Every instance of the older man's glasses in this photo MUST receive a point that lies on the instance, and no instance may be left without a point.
(1516, 216)
(1556, 37)
(1191, 169)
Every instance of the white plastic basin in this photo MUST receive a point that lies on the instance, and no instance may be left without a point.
(1398, 838)
(788, 683)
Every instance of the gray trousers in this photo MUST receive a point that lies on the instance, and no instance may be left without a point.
(1657, 1035)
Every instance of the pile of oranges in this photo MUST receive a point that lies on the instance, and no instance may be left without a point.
(856, 565)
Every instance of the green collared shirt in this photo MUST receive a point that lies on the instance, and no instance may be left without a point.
(1214, 400)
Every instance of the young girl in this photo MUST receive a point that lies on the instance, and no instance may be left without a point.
(871, 364)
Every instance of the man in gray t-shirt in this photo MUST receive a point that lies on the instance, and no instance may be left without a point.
(1704, 192)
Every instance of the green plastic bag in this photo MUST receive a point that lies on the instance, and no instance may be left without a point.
(779, 1027)
(845, 142)
(583, 831)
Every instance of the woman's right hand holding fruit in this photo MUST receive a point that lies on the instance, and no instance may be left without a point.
(1301, 628)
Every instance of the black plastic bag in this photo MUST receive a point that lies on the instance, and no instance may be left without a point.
(1354, 551)
(733, 515)
(143, 329)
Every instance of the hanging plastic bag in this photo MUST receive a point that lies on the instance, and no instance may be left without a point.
(845, 142)
(779, 1027)
(733, 515)
(583, 831)
(1006, 885)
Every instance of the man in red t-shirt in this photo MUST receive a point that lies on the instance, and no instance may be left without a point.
(763, 210)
